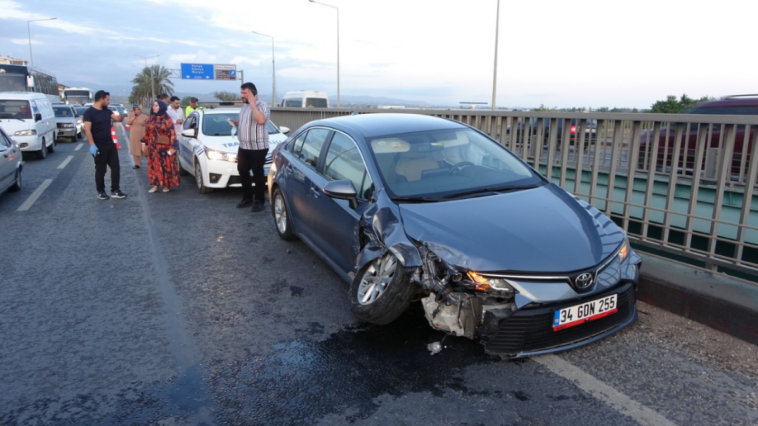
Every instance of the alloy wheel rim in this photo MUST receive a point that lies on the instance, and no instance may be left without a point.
(198, 177)
(376, 279)
(280, 214)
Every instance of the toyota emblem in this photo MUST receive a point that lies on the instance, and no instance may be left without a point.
(583, 280)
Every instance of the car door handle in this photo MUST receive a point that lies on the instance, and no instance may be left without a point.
(315, 192)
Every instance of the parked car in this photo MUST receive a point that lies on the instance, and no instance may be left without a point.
(407, 207)
(11, 164)
(68, 122)
(590, 129)
(208, 148)
(305, 99)
(730, 105)
(29, 119)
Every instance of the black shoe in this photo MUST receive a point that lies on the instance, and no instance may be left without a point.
(102, 196)
(118, 194)
(244, 203)
(258, 206)
(135, 167)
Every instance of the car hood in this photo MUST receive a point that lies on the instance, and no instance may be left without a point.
(12, 125)
(230, 144)
(65, 119)
(539, 230)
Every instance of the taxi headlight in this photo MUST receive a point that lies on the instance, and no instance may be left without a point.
(28, 132)
(220, 156)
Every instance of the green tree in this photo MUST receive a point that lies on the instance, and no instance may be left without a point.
(672, 105)
(543, 108)
(152, 79)
(226, 96)
(185, 101)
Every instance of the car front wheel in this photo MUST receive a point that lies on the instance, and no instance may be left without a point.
(281, 216)
(42, 153)
(381, 291)
(201, 188)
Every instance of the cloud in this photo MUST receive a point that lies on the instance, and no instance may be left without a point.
(24, 41)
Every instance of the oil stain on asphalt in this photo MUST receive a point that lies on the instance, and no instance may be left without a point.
(304, 380)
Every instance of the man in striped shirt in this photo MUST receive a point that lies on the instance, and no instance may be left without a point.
(253, 136)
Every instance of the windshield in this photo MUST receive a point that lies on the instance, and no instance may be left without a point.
(726, 110)
(447, 162)
(12, 83)
(63, 112)
(81, 110)
(15, 109)
(315, 103)
(217, 124)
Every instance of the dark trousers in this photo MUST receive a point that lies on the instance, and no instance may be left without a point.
(252, 159)
(107, 156)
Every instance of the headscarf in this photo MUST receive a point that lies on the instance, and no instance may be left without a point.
(162, 108)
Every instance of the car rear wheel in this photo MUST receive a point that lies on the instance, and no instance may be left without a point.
(281, 216)
(42, 153)
(381, 291)
(201, 188)
(17, 186)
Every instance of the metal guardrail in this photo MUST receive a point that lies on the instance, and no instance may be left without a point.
(677, 183)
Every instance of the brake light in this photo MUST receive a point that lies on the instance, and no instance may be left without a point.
(573, 129)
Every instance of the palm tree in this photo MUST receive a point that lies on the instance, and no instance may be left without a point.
(143, 88)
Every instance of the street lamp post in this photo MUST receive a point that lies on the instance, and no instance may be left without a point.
(29, 33)
(273, 66)
(494, 77)
(338, 46)
(152, 80)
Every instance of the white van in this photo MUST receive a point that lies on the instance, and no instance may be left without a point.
(29, 119)
(305, 99)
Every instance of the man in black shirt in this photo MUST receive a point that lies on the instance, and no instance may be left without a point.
(97, 127)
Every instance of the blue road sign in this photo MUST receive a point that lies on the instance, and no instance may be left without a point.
(197, 72)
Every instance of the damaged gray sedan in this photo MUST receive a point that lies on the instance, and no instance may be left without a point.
(414, 208)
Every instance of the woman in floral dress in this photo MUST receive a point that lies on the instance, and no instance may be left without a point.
(162, 170)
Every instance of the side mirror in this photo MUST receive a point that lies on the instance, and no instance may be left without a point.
(342, 190)
(189, 133)
(284, 129)
(37, 117)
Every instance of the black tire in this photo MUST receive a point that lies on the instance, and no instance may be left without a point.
(42, 153)
(283, 221)
(16, 186)
(51, 148)
(201, 188)
(392, 301)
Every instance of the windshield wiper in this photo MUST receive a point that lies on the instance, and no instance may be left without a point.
(489, 191)
(416, 199)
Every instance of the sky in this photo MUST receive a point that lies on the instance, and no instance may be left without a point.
(581, 53)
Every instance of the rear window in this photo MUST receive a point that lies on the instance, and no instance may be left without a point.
(293, 102)
(315, 103)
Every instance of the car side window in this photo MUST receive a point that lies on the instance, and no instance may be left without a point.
(311, 147)
(191, 122)
(297, 144)
(344, 162)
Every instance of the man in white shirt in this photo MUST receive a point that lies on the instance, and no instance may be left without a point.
(176, 114)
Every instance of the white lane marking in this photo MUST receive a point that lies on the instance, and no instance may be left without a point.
(65, 162)
(617, 400)
(32, 198)
(79, 147)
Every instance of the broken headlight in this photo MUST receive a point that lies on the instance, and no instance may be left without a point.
(499, 285)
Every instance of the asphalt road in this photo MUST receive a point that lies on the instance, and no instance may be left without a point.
(179, 309)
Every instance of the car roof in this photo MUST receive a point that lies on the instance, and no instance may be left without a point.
(219, 110)
(21, 96)
(373, 125)
(730, 102)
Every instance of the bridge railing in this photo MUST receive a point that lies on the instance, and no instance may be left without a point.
(679, 184)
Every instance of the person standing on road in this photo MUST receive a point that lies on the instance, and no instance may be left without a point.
(253, 137)
(137, 121)
(161, 144)
(176, 113)
(191, 107)
(97, 127)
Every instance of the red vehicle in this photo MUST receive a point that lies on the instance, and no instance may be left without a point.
(730, 105)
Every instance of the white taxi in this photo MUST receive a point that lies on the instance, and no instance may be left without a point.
(208, 148)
